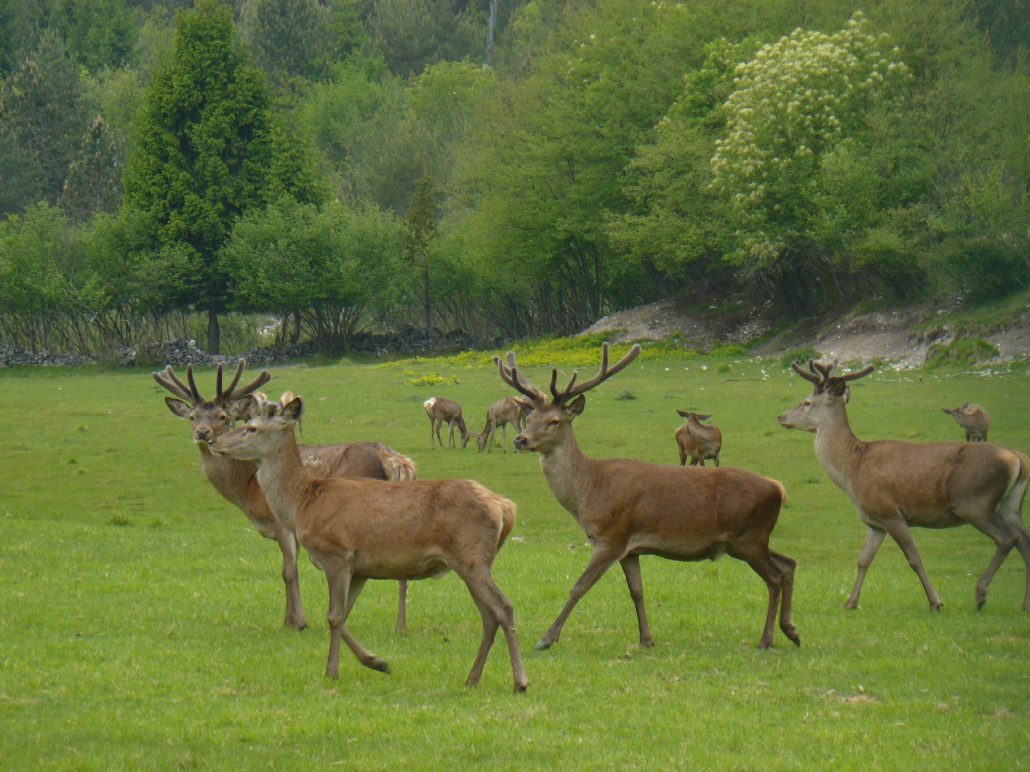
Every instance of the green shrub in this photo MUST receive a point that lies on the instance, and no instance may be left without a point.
(799, 355)
(963, 352)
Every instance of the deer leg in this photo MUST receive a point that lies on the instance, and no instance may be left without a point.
(786, 567)
(600, 561)
(504, 437)
(295, 617)
(683, 457)
(759, 560)
(631, 568)
(496, 611)
(716, 460)
(401, 628)
(341, 601)
(901, 534)
(873, 540)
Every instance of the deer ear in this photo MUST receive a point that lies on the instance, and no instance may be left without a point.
(836, 387)
(178, 407)
(575, 407)
(245, 408)
(702, 417)
(293, 410)
(683, 413)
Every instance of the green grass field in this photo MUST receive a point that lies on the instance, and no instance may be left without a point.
(140, 616)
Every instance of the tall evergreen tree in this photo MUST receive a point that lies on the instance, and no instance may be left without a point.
(204, 154)
(94, 176)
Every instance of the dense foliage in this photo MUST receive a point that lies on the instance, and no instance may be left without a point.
(515, 168)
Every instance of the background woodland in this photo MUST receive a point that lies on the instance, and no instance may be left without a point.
(503, 168)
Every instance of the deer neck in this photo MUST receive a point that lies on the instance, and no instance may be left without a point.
(283, 479)
(837, 448)
(567, 470)
(229, 476)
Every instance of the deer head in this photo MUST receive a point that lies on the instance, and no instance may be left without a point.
(264, 433)
(211, 417)
(830, 394)
(551, 419)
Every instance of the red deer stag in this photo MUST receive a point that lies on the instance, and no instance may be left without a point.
(445, 411)
(697, 441)
(974, 419)
(899, 485)
(237, 482)
(356, 530)
(508, 410)
(630, 508)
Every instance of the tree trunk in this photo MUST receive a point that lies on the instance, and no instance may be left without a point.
(425, 292)
(214, 333)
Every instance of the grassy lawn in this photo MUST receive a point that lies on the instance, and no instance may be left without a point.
(141, 613)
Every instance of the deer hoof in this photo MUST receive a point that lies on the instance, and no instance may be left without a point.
(377, 664)
(543, 645)
(520, 687)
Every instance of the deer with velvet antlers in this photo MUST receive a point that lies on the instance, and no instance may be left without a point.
(899, 485)
(237, 482)
(359, 529)
(629, 508)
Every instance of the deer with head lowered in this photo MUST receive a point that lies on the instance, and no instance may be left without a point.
(236, 480)
(629, 508)
(509, 410)
(899, 485)
(698, 441)
(357, 529)
(445, 411)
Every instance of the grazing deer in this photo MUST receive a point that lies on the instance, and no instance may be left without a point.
(697, 440)
(974, 419)
(441, 411)
(237, 482)
(508, 410)
(356, 530)
(630, 508)
(899, 485)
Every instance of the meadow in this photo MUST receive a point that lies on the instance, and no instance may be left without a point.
(140, 616)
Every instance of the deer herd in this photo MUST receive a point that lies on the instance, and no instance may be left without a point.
(360, 513)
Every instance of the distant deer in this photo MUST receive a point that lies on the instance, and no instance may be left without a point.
(697, 441)
(441, 411)
(630, 508)
(356, 530)
(899, 485)
(508, 410)
(974, 419)
(237, 482)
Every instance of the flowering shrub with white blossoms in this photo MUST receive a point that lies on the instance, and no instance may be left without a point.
(795, 101)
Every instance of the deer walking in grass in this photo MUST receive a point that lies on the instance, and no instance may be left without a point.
(973, 419)
(697, 441)
(356, 530)
(630, 508)
(445, 411)
(236, 480)
(896, 486)
(508, 410)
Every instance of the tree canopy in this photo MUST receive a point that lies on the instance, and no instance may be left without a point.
(523, 168)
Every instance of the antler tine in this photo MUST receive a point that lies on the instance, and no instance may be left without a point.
(263, 377)
(858, 373)
(603, 374)
(236, 378)
(811, 377)
(218, 384)
(510, 375)
(172, 383)
(193, 385)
